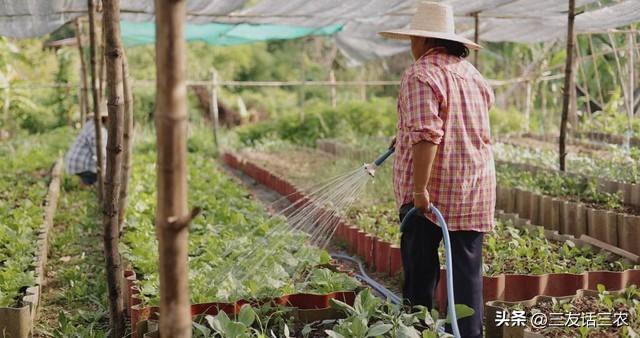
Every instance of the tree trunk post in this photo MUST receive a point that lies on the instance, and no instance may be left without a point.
(97, 107)
(476, 38)
(631, 63)
(527, 106)
(127, 141)
(172, 216)
(7, 102)
(115, 103)
(213, 107)
(568, 83)
(332, 79)
(84, 102)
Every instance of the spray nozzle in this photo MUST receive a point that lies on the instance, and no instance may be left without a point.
(370, 168)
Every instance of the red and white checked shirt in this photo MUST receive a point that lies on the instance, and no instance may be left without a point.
(443, 99)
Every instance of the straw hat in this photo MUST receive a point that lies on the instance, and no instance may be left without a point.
(432, 20)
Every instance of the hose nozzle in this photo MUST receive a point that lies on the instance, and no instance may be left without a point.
(370, 168)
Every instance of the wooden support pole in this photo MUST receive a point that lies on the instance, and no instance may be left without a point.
(594, 64)
(127, 141)
(363, 87)
(172, 216)
(213, 107)
(527, 105)
(84, 102)
(97, 106)
(476, 38)
(6, 103)
(568, 83)
(585, 80)
(115, 103)
(332, 79)
(303, 79)
(631, 63)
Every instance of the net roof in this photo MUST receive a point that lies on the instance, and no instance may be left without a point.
(524, 21)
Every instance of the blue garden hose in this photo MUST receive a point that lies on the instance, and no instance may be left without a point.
(447, 244)
(451, 309)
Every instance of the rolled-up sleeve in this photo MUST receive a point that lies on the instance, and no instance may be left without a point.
(423, 112)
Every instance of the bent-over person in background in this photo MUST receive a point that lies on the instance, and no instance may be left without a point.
(81, 159)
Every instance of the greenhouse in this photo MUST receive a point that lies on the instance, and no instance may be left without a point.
(355, 168)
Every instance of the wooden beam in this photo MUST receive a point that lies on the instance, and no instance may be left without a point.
(172, 216)
(115, 103)
(568, 83)
(97, 107)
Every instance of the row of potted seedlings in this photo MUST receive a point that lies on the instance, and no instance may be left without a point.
(615, 227)
(17, 319)
(230, 226)
(384, 256)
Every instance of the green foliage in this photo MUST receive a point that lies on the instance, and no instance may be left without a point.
(371, 317)
(504, 122)
(611, 122)
(23, 188)
(234, 244)
(553, 184)
(616, 164)
(375, 118)
(80, 298)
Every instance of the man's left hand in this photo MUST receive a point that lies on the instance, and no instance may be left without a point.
(421, 201)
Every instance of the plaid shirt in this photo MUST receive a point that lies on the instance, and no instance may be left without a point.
(82, 155)
(444, 100)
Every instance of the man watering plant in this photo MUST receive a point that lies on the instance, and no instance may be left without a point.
(443, 156)
(81, 158)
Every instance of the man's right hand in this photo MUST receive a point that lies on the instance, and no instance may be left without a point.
(393, 143)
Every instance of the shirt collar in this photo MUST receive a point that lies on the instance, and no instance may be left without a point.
(432, 51)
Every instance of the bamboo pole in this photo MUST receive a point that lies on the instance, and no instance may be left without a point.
(597, 72)
(631, 64)
(97, 107)
(527, 105)
(476, 38)
(127, 140)
(213, 107)
(6, 103)
(332, 79)
(83, 73)
(113, 56)
(568, 83)
(172, 216)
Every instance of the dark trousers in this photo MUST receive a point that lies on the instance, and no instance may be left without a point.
(419, 246)
(88, 177)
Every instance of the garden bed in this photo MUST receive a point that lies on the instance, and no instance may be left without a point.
(567, 204)
(385, 256)
(23, 262)
(233, 238)
(588, 305)
(634, 141)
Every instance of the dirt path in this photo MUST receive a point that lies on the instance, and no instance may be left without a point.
(275, 203)
(73, 302)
